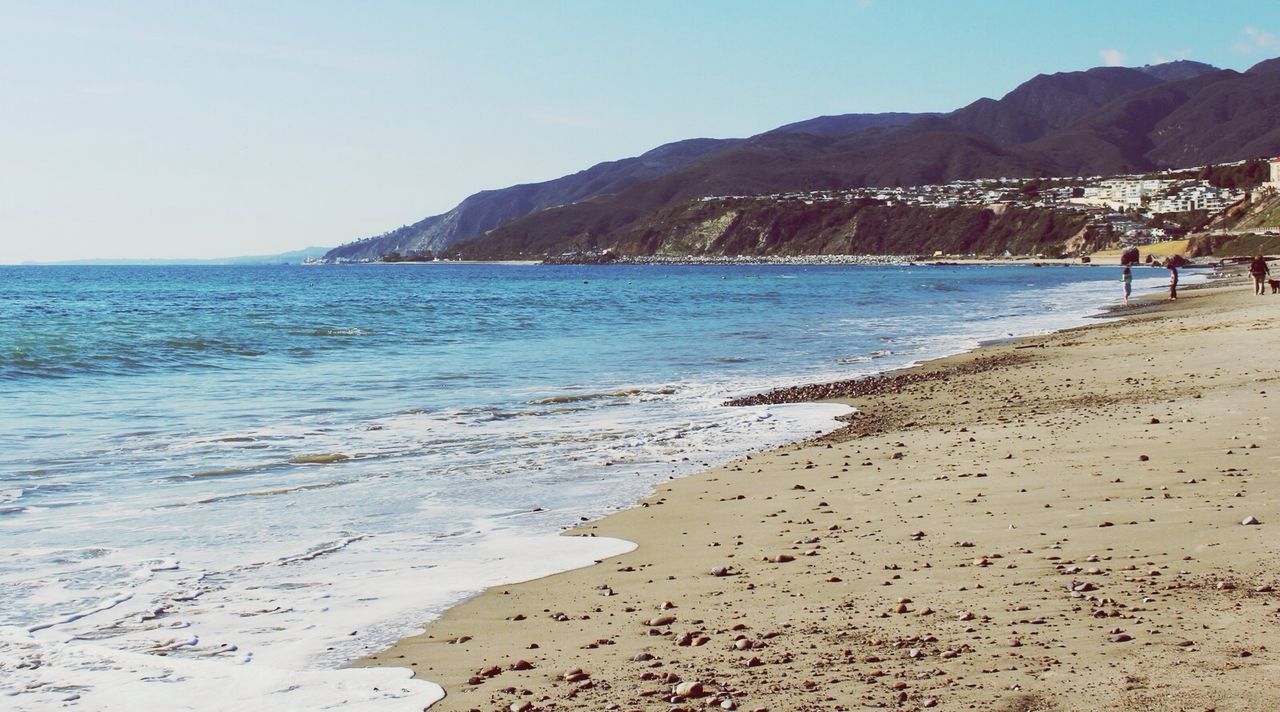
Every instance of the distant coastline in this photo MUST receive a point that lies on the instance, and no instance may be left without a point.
(293, 257)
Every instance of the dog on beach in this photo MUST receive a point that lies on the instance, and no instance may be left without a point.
(1274, 284)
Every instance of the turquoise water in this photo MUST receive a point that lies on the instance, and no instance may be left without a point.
(357, 447)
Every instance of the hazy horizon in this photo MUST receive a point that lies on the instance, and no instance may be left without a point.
(152, 131)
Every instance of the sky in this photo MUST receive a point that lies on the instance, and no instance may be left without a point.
(214, 129)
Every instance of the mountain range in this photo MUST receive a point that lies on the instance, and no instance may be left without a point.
(1101, 121)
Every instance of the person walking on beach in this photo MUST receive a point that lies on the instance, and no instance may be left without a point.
(1172, 264)
(1258, 270)
(1127, 277)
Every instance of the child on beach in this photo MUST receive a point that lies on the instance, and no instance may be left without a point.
(1258, 270)
(1127, 278)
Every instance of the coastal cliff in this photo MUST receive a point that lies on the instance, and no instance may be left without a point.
(744, 226)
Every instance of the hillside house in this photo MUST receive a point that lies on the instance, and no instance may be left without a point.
(1197, 195)
(1122, 193)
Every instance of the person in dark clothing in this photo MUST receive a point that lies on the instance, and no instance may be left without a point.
(1172, 264)
(1258, 270)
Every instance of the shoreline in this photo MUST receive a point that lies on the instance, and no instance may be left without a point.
(832, 260)
(835, 260)
(496, 643)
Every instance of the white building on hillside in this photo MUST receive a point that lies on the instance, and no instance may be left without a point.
(1122, 193)
(1197, 195)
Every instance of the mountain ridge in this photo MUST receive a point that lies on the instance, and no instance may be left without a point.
(488, 209)
(1177, 69)
(1103, 120)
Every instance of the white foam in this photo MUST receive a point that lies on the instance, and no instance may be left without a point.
(271, 620)
(40, 676)
(74, 616)
(250, 641)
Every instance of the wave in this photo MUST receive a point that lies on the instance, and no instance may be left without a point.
(624, 393)
(575, 398)
(137, 434)
(223, 472)
(265, 493)
(321, 550)
(863, 358)
(133, 357)
(336, 331)
(104, 605)
(319, 459)
(31, 490)
(233, 472)
(197, 343)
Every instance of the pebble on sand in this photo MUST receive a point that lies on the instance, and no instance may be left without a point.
(575, 675)
(688, 689)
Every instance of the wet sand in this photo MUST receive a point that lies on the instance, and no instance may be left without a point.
(1050, 524)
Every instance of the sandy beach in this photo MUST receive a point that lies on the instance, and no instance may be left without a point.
(1079, 521)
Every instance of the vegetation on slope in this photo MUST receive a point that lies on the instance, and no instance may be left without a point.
(1253, 227)
(753, 227)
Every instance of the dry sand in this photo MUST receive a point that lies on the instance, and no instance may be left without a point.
(1053, 524)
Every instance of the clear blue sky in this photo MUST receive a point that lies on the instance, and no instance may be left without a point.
(185, 129)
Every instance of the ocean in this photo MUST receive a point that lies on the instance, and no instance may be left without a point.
(220, 484)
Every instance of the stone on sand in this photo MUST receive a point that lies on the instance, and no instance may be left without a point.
(688, 689)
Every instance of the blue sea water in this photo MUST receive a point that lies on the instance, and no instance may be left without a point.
(282, 468)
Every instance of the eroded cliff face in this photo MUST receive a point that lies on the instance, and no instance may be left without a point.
(699, 237)
(1079, 243)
